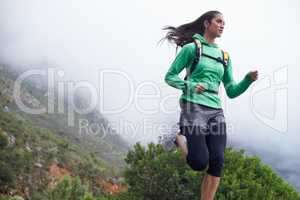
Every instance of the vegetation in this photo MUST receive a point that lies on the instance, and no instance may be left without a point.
(31, 144)
(154, 174)
(26, 160)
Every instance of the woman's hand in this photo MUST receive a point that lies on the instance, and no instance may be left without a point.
(199, 88)
(253, 75)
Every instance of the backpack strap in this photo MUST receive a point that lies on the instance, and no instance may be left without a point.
(198, 53)
(225, 58)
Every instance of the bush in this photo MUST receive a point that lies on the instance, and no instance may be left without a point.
(68, 189)
(154, 174)
(6, 175)
(3, 140)
(16, 198)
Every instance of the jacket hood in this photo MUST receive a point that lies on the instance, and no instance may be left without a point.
(203, 40)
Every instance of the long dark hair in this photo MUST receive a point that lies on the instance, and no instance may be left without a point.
(182, 34)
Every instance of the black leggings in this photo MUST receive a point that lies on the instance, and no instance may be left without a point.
(206, 146)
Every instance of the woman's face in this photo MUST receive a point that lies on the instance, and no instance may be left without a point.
(216, 26)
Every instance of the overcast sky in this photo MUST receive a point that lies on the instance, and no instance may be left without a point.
(83, 38)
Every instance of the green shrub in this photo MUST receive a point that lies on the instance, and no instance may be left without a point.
(16, 198)
(69, 189)
(154, 174)
(6, 175)
(3, 140)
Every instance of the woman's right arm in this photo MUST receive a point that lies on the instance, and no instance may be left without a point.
(182, 60)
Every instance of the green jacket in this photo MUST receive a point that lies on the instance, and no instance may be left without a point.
(208, 73)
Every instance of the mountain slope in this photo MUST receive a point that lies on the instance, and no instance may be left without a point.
(38, 143)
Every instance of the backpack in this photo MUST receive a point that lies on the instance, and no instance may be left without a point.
(199, 53)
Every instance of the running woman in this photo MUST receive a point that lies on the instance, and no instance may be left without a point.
(202, 137)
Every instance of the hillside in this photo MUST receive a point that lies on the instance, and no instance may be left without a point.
(38, 150)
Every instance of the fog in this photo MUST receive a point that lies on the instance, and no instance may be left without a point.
(113, 45)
